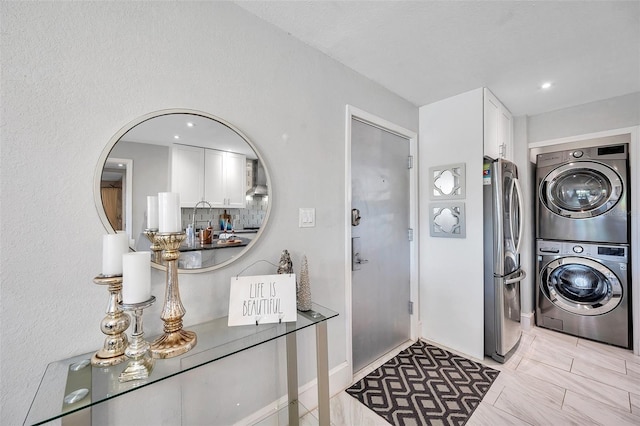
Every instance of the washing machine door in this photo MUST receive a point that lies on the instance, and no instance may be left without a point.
(581, 286)
(581, 190)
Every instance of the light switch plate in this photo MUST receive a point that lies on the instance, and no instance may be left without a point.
(306, 217)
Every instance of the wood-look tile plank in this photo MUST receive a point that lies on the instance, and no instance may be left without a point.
(551, 355)
(608, 361)
(635, 404)
(532, 386)
(535, 409)
(597, 412)
(486, 414)
(603, 375)
(584, 386)
(346, 410)
(633, 369)
(555, 337)
(602, 348)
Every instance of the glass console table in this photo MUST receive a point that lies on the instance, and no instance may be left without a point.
(69, 387)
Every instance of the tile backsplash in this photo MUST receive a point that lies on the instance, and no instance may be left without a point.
(249, 217)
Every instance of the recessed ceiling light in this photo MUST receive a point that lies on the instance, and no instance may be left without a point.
(120, 165)
(190, 124)
(176, 137)
(546, 85)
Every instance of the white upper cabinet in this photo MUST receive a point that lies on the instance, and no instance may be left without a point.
(187, 174)
(224, 179)
(498, 128)
(201, 174)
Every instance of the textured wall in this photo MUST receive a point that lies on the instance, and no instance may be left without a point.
(74, 73)
(451, 269)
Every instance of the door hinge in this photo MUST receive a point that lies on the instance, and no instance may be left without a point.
(410, 162)
(410, 308)
(410, 234)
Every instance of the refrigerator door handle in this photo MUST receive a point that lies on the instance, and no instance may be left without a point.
(520, 214)
(519, 278)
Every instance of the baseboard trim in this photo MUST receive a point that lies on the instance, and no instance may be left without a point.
(339, 379)
(527, 321)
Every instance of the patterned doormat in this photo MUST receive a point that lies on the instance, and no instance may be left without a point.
(425, 385)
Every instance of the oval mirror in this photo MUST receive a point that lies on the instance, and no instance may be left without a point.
(222, 180)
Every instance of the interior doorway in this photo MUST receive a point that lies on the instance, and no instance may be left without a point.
(382, 276)
(116, 193)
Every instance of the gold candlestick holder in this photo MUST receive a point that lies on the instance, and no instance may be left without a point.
(156, 250)
(175, 341)
(113, 325)
(141, 363)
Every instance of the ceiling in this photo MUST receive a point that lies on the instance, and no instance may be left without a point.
(426, 51)
(189, 129)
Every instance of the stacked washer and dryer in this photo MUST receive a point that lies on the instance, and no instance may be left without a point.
(582, 243)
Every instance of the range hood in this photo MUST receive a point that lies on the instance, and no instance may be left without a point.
(259, 186)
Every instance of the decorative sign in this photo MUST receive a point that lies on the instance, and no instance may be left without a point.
(262, 299)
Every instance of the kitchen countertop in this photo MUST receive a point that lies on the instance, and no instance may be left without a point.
(246, 231)
(216, 244)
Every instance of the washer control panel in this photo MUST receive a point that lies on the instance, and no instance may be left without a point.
(618, 253)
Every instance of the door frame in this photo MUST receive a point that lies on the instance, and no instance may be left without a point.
(127, 190)
(363, 116)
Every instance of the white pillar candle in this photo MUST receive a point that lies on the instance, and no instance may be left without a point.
(136, 277)
(152, 212)
(113, 247)
(169, 212)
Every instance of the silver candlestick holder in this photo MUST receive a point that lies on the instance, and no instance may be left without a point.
(114, 324)
(141, 363)
(174, 341)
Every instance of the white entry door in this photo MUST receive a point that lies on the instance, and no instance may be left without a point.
(380, 186)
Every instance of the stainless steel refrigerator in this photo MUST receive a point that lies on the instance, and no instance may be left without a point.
(502, 273)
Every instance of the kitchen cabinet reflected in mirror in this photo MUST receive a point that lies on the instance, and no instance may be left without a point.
(219, 174)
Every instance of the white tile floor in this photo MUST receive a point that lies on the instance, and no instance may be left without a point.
(552, 379)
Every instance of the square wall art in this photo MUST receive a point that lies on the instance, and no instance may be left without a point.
(446, 219)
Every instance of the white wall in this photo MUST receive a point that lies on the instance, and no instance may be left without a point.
(613, 113)
(451, 269)
(85, 70)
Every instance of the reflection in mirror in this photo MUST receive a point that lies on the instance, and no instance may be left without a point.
(220, 176)
(445, 182)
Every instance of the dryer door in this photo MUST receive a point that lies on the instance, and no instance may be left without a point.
(581, 286)
(581, 190)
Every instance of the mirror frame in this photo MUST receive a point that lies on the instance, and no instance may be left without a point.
(120, 133)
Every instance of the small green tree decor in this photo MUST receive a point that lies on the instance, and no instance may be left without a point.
(303, 294)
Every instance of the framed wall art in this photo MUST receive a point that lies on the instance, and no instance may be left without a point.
(447, 219)
(447, 182)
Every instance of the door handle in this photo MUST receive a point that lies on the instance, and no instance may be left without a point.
(520, 214)
(355, 217)
(519, 278)
(359, 260)
(356, 258)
